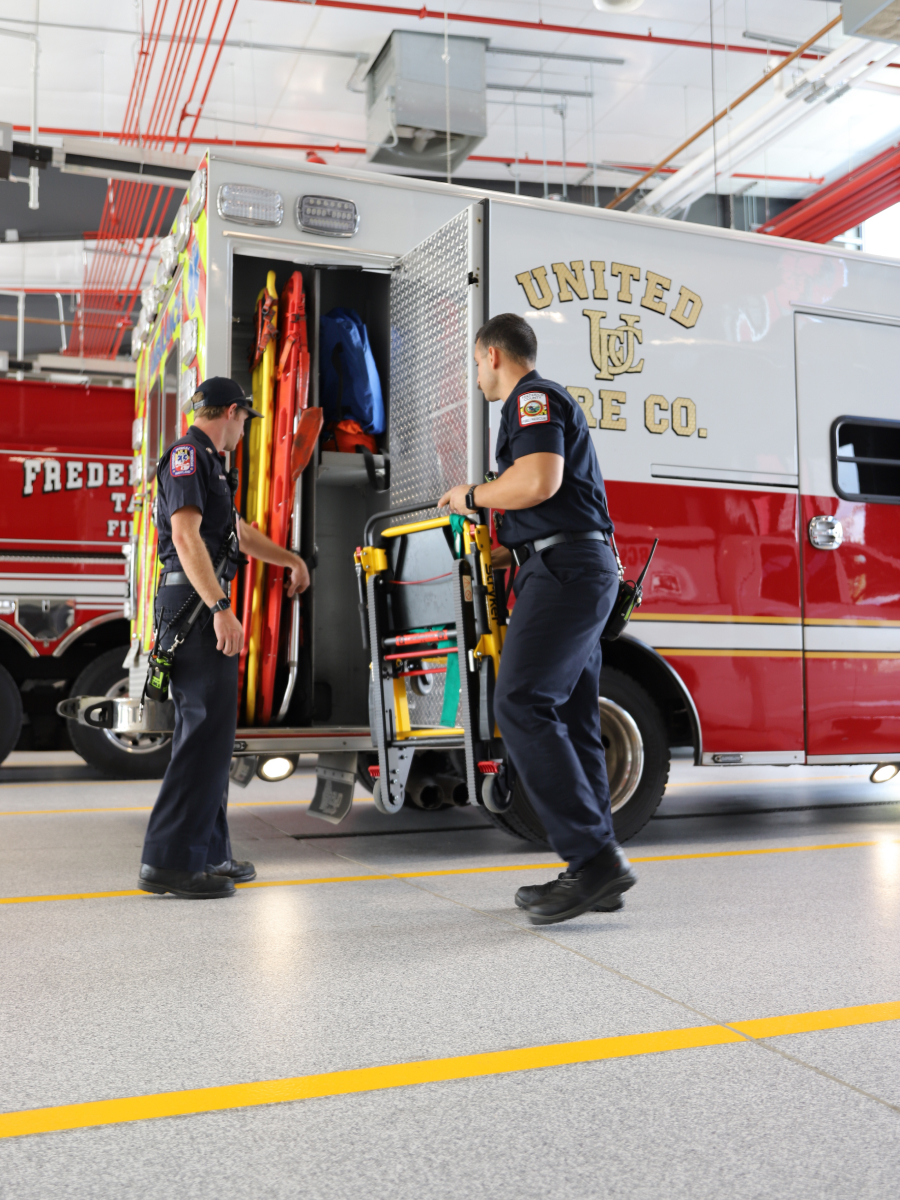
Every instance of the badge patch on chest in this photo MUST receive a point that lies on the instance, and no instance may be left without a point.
(182, 461)
(534, 408)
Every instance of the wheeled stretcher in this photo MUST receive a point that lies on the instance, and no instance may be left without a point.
(434, 623)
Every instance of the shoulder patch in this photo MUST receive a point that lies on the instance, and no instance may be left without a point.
(534, 408)
(182, 461)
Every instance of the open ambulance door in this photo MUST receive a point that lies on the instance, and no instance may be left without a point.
(437, 415)
(849, 440)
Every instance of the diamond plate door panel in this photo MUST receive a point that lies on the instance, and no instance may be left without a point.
(432, 319)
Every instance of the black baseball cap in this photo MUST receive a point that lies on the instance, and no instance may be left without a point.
(220, 391)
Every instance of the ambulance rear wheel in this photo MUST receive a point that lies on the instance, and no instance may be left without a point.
(10, 713)
(637, 763)
(124, 756)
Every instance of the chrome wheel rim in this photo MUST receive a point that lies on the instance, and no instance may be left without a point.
(624, 752)
(133, 743)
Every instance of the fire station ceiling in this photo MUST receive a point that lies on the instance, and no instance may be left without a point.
(292, 74)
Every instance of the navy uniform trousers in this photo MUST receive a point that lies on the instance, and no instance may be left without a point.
(546, 701)
(188, 827)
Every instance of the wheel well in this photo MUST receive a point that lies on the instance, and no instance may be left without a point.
(82, 650)
(651, 670)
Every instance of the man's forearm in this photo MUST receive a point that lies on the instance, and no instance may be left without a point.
(257, 545)
(198, 566)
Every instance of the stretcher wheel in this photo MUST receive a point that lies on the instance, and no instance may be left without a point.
(385, 803)
(493, 796)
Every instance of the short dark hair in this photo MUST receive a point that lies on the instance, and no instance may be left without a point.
(209, 412)
(510, 333)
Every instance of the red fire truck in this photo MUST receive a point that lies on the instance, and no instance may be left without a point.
(65, 547)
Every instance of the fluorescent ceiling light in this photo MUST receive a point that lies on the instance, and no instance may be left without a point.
(782, 41)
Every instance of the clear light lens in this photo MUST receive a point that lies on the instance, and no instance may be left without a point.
(197, 194)
(250, 205)
(276, 768)
(182, 228)
(883, 773)
(168, 259)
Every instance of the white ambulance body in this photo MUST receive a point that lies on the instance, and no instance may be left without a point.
(741, 394)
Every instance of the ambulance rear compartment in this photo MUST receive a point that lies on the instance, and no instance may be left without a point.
(329, 706)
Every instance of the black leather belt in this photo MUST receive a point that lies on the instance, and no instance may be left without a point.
(522, 553)
(179, 579)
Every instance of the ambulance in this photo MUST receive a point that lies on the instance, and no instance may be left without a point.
(741, 392)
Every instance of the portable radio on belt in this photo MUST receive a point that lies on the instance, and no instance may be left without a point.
(159, 665)
(628, 597)
(158, 676)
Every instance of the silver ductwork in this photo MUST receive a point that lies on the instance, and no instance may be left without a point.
(407, 101)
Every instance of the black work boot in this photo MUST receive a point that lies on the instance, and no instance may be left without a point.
(240, 872)
(534, 892)
(600, 881)
(189, 885)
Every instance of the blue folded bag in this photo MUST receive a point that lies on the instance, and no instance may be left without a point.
(350, 383)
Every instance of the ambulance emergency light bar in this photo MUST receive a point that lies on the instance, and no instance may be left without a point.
(250, 205)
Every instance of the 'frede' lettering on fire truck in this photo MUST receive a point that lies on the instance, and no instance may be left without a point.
(50, 475)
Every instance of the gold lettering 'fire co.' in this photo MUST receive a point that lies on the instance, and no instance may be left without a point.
(614, 349)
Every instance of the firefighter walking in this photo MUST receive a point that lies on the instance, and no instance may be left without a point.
(187, 850)
(556, 528)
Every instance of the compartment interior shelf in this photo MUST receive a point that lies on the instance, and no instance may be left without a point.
(345, 470)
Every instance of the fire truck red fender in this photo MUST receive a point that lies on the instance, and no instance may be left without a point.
(292, 376)
(662, 681)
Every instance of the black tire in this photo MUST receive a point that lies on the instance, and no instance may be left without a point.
(115, 754)
(629, 713)
(10, 713)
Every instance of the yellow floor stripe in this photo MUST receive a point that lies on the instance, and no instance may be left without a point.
(547, 866)
(438, 1070)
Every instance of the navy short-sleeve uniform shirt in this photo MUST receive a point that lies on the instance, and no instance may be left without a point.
(192, 474)
(540, 417)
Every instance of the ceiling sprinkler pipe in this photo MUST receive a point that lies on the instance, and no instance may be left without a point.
(427, 14)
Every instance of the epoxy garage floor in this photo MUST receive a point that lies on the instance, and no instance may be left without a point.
(374, 1018)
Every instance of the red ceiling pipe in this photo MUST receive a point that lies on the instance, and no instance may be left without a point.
(212, 74)
(543, 27)
(170, 81)
(865, 191)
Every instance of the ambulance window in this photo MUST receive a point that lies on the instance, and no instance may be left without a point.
(169, 431)
(866, 463)
(153, 415)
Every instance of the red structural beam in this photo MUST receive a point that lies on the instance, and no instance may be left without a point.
(863, 192)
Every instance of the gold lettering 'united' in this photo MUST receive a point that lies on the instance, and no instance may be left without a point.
(571, 281)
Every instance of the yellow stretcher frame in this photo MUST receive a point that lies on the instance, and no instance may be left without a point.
(259, 483)
(476, 538)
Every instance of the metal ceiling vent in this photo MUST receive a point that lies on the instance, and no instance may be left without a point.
(877, 19)
(406, 101)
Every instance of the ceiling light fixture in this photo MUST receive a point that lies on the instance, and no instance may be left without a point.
(617, 6)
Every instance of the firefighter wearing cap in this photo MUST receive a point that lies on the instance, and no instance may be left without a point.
(187, 850)
(556, 528)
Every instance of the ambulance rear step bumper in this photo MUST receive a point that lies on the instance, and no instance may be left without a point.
(321, 739)
(119, 715)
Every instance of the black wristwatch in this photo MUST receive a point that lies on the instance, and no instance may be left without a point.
(470, 498)
(220, 605)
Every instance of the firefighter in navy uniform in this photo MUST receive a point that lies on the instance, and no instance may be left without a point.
(187, 850)
(556, 529)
